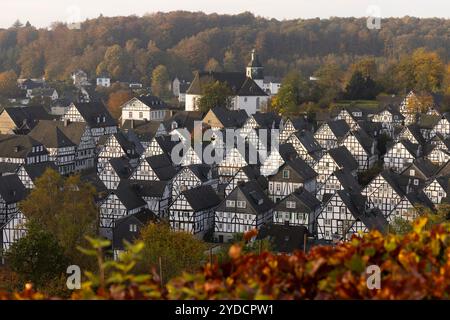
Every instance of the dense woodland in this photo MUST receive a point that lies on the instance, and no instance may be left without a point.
(130, 47)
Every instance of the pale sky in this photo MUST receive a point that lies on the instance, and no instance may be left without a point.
(42, 12)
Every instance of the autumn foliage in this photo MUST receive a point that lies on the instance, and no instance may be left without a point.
(413, 266)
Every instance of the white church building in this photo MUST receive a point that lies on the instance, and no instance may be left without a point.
(247, 88)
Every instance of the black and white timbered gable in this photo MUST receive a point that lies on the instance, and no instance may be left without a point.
(306, 146)
(335, 159)
(300, 208)
(345, 214)
(292, 175)
(331, 134)
(154, 168)
(400, 155)
(247, 207)
(193, 211)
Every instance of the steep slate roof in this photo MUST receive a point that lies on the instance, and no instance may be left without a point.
(166, 143)
(17, 146)
(202, 198)
(308, 202)
(27, 116)
(427, 121)
(267, 120)
(11, 189)
(129, 142)
(230, 118)
(300, 123)
(343, 158)
(347, 181)
(415, 131)
(201, 171)
(340, 128)
(121, 166)
(36, 170)
(308, 141)
(253, 173)
(373, 219)
(55, 134)
(284, 238)
(184, 119)
(128, 196)
(153, 102)
(287, 151)
(301, 168)
(162, 166)
(238, 82)
(255, 196)
(365, 140)
(8, 168)
(152, 189)
(91, 111)
(425, 166)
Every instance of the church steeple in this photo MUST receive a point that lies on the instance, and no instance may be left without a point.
(255, 70)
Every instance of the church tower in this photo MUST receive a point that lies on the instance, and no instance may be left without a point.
(255, 70)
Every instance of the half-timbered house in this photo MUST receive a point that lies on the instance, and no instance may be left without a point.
(292, 125)
(160, 145)
(193, 211)
(335, 159)
(277, 158)
(193, 176)
(70, 144)
(246, 174)
(128, 229)
(246, 208)
(12, 191)
(390, 118)
(119, 203)
(396, 195)
(339, 180)
(306, 146)
(331, 134)
(16, 149)
(292, 175)
(114, 171)
(154, 168)
(443, 126)
(13, 230)
(437, 189)
(29, 173)
(300, 208)
(350, 117)
(363, 148)
(400, 155)
(412, 134)
(119, 145)
(95, 115)
(345, 214)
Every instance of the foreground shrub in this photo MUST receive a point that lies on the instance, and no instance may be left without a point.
(413, 266)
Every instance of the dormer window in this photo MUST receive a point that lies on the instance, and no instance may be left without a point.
(241, 204)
